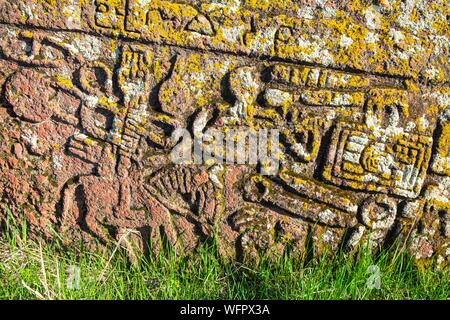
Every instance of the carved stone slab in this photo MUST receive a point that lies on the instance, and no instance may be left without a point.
(98, 95)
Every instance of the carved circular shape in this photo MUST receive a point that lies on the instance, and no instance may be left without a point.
(29, 94)
(96, 78)
(379, 212)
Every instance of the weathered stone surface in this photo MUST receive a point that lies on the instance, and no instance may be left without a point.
(93, 92)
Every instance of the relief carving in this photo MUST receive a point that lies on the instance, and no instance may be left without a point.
(356, 148)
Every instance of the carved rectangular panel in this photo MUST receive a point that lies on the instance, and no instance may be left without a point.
(359, 160)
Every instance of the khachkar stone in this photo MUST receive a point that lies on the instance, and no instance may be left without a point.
(96, 94)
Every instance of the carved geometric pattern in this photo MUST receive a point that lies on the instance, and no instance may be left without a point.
(358, 160)
(94, 95)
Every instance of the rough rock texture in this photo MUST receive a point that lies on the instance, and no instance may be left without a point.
(91, 92)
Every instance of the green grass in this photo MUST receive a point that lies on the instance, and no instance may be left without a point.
(29, 270)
